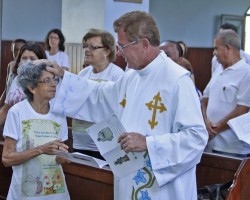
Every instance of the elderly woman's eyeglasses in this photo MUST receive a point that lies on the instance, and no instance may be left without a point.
(49, 81)
(91, 47)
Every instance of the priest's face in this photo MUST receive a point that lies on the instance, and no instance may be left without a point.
(131, 50)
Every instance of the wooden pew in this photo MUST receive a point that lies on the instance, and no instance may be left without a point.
(216, 168)
(86, 182)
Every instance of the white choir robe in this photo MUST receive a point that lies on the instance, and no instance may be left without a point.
(161, 103)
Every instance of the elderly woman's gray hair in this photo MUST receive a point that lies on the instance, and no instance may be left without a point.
(28, 75)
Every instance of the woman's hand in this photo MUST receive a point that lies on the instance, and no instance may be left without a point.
(53, 147)
(61, 160)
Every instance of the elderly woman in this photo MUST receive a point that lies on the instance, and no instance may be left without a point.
(100, 52)
(33, 137)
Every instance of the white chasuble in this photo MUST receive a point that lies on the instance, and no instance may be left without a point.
(159, 102)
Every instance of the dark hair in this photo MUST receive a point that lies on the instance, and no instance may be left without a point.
(107, 40)
(184, 49)
(61, 39)
(19, 40)
(178, 46)
(227, 26)
(138, 25)
(28, 75)
(30, 46)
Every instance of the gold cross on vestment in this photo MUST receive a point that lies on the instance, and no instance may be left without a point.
(123, 102)
(154, 105)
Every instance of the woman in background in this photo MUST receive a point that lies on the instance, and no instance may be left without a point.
(33, 137)
(16, 46)
(100, 52)
(54, 43)
(30, 51)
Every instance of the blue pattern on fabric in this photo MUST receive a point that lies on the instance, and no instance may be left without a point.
(140, 177)
(144, 195)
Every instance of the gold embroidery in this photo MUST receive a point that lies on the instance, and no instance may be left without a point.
(154, 105)
(123, 102)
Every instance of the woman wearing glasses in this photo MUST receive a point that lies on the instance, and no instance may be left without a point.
(30, 51)
(54, 43)
(100, 52)
(33, 137)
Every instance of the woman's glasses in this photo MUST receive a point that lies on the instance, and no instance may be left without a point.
(91, 47)
(49, 81)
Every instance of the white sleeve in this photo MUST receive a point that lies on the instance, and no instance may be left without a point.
(12, 124)
(85, 99)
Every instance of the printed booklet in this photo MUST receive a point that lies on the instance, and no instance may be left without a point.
(85, 159)
(105, 135)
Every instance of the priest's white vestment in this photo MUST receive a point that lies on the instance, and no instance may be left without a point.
(159, 102)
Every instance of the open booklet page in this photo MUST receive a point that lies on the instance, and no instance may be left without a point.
(105, 134)
(241, 127)
(84, 159)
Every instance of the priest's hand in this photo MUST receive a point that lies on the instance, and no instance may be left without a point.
(55, 69)
(52, 67)
(132, 142)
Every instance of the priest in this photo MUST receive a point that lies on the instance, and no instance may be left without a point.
(156, 102)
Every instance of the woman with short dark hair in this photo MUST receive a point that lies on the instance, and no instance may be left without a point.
(54, 44)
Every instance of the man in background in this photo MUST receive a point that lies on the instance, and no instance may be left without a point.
(215, 64)
(227, 95)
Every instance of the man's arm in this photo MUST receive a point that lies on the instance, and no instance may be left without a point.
(208, 123)
(222, 125)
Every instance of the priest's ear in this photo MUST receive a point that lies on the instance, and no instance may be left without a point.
(145, 43)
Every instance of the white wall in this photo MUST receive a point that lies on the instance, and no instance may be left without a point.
(114, 10)
(30, 19)
(78, 16)
(193, 21)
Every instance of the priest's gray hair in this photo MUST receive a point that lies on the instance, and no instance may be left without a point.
(28, 75)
